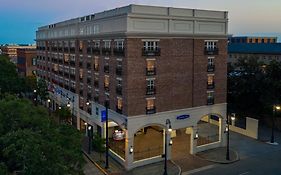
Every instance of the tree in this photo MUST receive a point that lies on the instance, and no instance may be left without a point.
(98, 144)
(31, 143)
(42, 89)
(63, 114)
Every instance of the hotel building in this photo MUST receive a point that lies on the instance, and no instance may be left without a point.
(157, 67)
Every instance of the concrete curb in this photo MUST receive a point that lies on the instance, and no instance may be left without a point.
(97, 165)
(237, 158)
(180, 171)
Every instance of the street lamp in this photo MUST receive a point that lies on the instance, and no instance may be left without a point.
(227, 130)
(68, 104)
(167, 130)
(35, 97)
(49, 109)
(90, 139)
(275, 108)
(106, 134)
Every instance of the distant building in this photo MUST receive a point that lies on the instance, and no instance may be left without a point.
(249, 39)
(26, 61)
(265, 52)
(11, 50)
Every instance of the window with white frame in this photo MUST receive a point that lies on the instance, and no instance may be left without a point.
(107, 44)
(150, 83)
(150, 45)
(96, 44)
(119, 44)
(210, 45)
(210, 61)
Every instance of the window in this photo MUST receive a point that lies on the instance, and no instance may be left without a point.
(210, 45)
(150, 45)
(210, 61)
(66, 58)
(150, 64)
(96, 63)
(120, 45)
(96, 44)
(150, 83)
(80, 46)
(210, 82)
(107, 44)
(119, 103)
(80, 73)
(34, 61)
(150, 103)
(106, 81)
(210, 97)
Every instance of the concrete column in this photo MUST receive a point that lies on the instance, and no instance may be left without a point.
(129, 157)
(222, 133)
(193, 142)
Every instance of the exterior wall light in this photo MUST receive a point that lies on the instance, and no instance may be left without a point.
(89, 127)
(131, 150)
(196, 135)
(68, 104)
(59, 107)
(48, 100)
(87, 103)
(171, 142)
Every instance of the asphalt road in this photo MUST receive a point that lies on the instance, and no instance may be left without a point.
(262, 164)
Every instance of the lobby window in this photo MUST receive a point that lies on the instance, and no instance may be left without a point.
(150, 86)
(210, 97)
(210, 82)
(150, 67)
(150, 106)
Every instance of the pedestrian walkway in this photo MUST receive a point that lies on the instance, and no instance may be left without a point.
(116, 169)
(90, 168)
(218, 155)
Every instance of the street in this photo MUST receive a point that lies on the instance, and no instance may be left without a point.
(256, 156)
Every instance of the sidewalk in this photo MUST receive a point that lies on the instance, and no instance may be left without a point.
(218, 155)
(116, 169)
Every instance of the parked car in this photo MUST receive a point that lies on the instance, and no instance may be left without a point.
(118, 134)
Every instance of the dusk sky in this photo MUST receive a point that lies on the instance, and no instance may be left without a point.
(19, 19)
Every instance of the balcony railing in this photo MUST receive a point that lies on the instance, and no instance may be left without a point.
(150, 90)
(96, 84)
(150, 71)
(210, 101)
(210, 86)
(119, 90)
(118, 110)
(106, 87)
(118, 70)
(106, 68)
(96, 98)
(154, 52)
(210, 68)
(119, 52)
(106, 51)
(211, 51)
(151, 110)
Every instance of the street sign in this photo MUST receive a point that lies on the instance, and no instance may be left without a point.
(182, 117)
(103, 116)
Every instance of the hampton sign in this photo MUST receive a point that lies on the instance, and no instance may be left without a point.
(183, 117)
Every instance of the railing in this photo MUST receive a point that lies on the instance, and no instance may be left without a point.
(211, 51)
(119, 90)
(207, 139)
(151, 110)
(119, 51)
(150, 91)
(150, 152)
(211, 86)
(106, 51)
(154, 52)
(150, 71)
(210, 68)
(119, 70)
(118, 110)
(106, 68)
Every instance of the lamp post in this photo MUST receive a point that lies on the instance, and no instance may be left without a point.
(106, 134)
(228, 131)
(35, 96)
(90, 138)
(275, 108)
(49, 109)
(168, 129)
